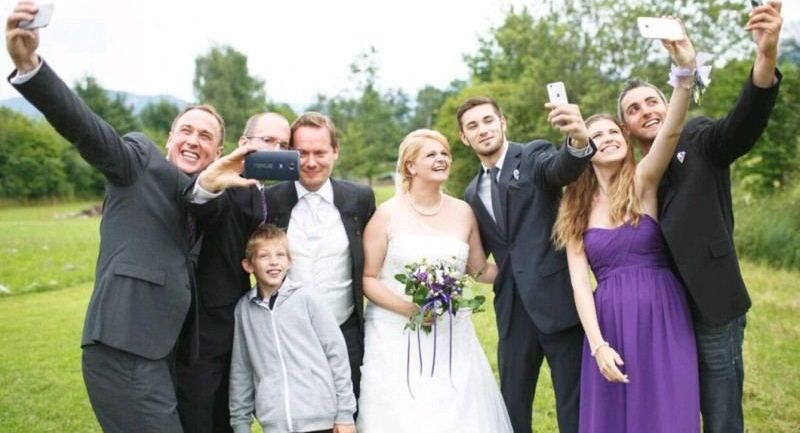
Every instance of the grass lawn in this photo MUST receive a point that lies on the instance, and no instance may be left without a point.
(40, 375)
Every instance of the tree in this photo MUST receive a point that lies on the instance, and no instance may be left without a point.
(113, 110)
(370, 124)
(222, 79)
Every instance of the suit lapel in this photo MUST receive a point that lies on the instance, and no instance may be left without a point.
(510, 166)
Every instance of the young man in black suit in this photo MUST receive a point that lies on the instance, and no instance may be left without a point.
(696, 215)
(143, 287)
(226, 223)
(325, 220)
(515, 198)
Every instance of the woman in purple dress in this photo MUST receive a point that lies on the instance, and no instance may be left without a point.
(639, 366)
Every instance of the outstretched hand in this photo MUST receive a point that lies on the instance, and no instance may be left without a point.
(344, 428)
(226, 171)
(567, 118)
(20, 43)
(682, 51)
(608, 361)
(765, 23)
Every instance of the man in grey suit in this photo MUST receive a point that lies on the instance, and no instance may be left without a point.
(143, 285)
(515, 198)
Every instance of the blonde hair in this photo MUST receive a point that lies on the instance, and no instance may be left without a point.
(266, 233)
(409, 150)
(577, 202)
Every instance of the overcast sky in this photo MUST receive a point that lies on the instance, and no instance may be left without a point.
(300, 48)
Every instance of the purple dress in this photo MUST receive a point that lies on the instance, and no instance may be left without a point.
(644, 315)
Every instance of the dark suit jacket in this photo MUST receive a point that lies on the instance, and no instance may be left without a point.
(356, 204)
(226, 223)
(142, 287)
(531, 180)
(695, 203)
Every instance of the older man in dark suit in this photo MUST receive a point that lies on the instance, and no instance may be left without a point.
(143, 286)
(696, 215)
(515, 198)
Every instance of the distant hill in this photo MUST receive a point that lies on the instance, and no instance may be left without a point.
(137, 101)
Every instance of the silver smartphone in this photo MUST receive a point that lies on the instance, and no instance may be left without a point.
(41, 19)
(557, 93)
(660, 28)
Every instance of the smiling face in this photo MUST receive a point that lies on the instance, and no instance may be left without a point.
(432, 163)
(607, 136)
(269, 263)
(643, 111)
(483, 129)
(195, 141)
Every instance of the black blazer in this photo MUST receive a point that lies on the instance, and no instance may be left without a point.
(356, 204)
(696, 211)
(142, 288)
(530, 181)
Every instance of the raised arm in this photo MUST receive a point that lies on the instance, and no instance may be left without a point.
(606, 357)
(118, 158)
(732, 136)
(375, 245)
(653, 165)
(559, 168)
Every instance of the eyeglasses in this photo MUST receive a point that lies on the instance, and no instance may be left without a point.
(270, 141)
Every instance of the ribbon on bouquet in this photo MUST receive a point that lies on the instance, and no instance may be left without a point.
(447, 300)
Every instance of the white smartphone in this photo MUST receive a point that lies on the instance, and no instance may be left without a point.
(41, 19)
(660, 28)
(557, 93)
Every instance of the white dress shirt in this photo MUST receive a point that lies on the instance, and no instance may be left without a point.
(320, 249)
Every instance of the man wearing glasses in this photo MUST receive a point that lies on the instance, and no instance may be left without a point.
(226, 220)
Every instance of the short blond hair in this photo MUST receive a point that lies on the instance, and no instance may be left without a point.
(409, 150)
(266, 233)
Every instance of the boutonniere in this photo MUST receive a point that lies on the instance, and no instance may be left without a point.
(515, 174)
(681, 156)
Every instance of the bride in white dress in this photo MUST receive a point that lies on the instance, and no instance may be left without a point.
(422, 222)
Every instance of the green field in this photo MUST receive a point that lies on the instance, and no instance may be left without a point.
(47, 264)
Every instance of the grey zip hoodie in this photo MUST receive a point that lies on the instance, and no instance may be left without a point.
(289, 364)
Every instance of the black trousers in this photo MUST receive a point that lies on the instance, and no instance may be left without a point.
(130, 393)
(520, 356)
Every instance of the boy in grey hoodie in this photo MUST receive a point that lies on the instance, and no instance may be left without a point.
(289, 364)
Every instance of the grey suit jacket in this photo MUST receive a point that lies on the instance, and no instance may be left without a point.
(142, 288)
(530, 182)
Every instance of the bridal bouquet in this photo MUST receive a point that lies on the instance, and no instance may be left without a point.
(437, 289)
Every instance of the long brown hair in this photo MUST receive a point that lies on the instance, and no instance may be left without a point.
(578, 200)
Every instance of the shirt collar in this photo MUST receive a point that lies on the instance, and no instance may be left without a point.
(325, 191)
(500, 161)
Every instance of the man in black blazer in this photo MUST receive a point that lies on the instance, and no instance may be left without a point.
(226, 221)
(325, 219)
(515, 198)
(697, 217)
(143, 285)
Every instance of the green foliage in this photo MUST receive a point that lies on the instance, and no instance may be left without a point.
(370, 124)
(768, 227)
(158, 116)
(31, 164)
(428, 103)
(221, 78)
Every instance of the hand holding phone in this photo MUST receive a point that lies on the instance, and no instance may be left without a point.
(41, 19)
(660, 28)
(272, 165)
(557, 93)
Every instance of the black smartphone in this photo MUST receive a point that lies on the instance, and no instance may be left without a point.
(755, 3)
(272, 165)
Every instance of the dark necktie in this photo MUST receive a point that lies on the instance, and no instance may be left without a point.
(497, 207)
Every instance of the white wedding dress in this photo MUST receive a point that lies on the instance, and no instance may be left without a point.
(461, 395)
